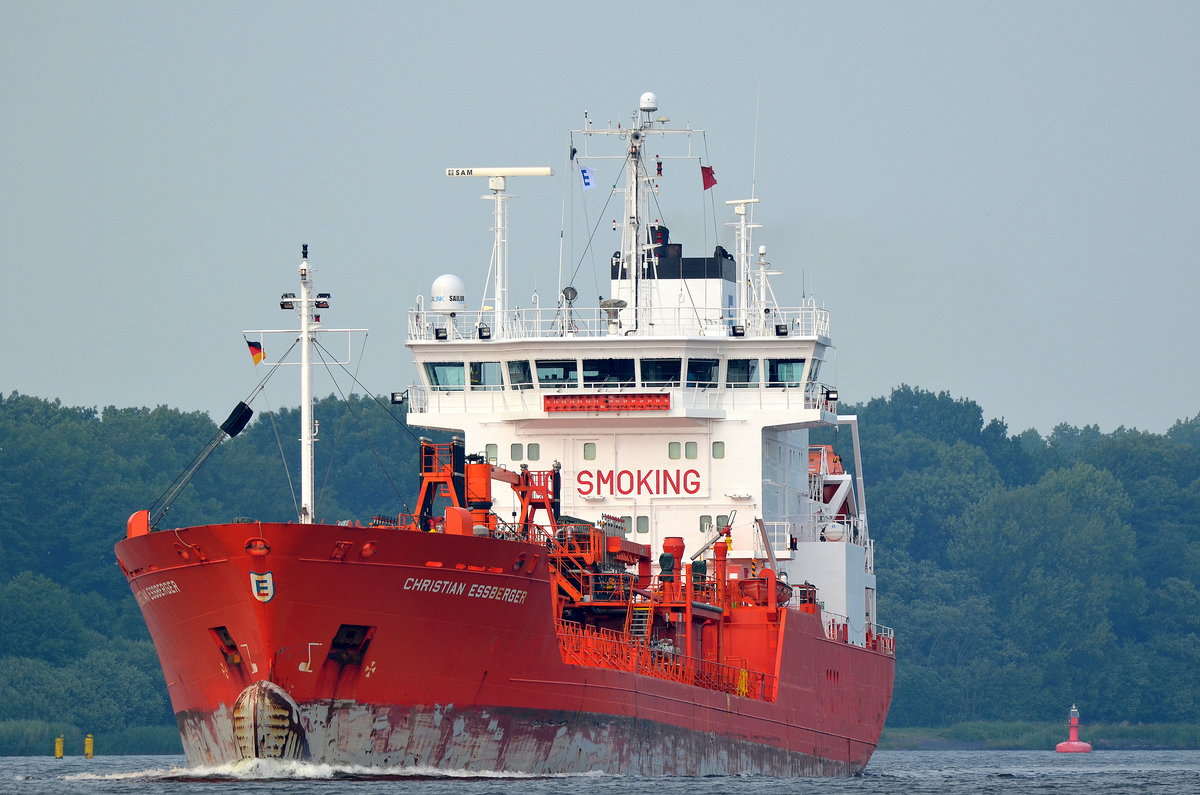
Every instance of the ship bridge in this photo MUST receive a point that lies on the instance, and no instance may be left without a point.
(582, 366)
(679, 404)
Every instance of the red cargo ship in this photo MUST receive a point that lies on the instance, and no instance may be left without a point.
(493, 629)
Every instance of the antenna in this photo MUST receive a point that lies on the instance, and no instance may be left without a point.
(743, 259)
(754, 157)
(496, 184)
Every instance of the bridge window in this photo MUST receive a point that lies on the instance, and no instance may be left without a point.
(445, 376)
(515, 451)
(589, 451)
(742, 373)
(519, 375)
(492, 452)
(643, 524)
(702, 373)
(785, 372)
(534, 450)
(661, 372)
(608, 372)
(486, 376)
(674, 450)
(691, 450)
(557, 373)
(718, 449)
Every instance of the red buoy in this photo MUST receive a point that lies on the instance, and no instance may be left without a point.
(1074, 745)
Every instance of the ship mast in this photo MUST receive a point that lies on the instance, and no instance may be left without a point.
(743, 227)
(497, 183)
(630, 240)
(635, 251)
(306, 307)
(308, 428)
(635, 263)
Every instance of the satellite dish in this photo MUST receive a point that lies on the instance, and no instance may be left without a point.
(570, 293)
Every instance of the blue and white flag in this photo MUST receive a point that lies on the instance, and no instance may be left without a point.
(589, 181)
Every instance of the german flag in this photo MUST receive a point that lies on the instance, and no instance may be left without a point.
(256, 351)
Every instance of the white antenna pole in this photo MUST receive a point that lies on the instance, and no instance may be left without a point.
(305, 336)
(500, 249)
(754, 159)
(743, 258)
(307, 428)
(497, 184)
(630, 254)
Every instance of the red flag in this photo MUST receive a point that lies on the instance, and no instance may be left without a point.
(256, 351)
(707, 175)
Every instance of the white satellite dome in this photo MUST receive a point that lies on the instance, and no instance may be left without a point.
(835, 531)
(449, 294)
(648, 103)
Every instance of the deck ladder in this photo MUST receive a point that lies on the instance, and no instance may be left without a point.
(639, 620)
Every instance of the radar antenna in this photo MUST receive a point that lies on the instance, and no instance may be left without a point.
(496, 184)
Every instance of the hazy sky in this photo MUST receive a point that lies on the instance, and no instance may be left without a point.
(999, 199)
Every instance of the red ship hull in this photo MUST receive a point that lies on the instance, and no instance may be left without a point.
(388, 647)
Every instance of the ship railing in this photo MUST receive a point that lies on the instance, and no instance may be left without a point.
(508, 531)
(417, 399)
(539, 323)
(684, 586)
(596, 647)
(611, 587)
(695, 396)
(881, 639)
(606, 648)
(767, 396)
(574, 539)
(618, 587)
(837, 627)
(804, 599)
(779, 535)
(706, 591)
(853, 532)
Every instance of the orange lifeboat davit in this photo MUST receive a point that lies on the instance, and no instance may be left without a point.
(1073, 745)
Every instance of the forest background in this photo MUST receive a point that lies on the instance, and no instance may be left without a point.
(1022, 573)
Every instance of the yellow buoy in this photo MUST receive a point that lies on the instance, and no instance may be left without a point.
(89, 746)
(58, 747)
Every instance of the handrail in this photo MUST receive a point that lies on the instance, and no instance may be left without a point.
(606, 648)
(424, 325)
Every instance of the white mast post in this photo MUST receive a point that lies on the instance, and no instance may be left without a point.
(500, 248)
(630, 254)
(743, 256)
(307, 428)
(632, 247)
(305, 336)
(497, 184)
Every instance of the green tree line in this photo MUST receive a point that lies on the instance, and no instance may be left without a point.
(73, 648)
(1022, 572)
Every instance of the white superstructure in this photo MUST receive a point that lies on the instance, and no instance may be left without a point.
(681, 403)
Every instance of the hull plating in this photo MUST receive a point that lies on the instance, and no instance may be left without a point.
(456, 664)
(508, 739)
